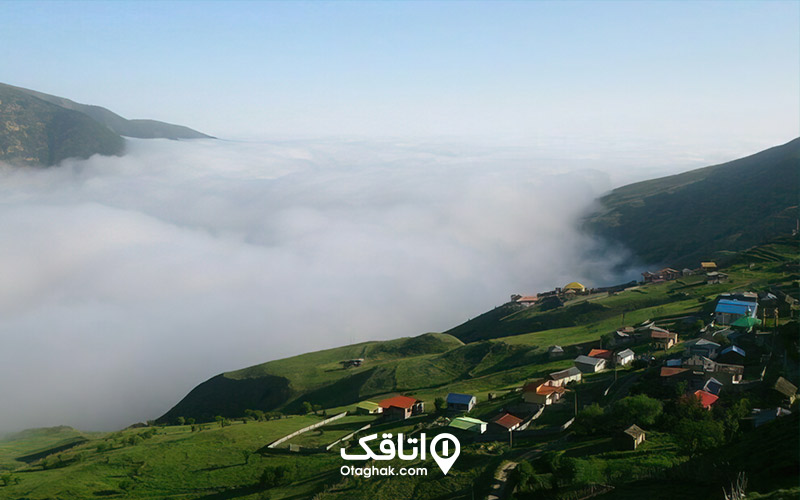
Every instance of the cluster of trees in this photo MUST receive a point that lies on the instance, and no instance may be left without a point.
(641, 410)
(278, 475)
(262, 416)
(695, 428)
(7, 479)
(307, 408)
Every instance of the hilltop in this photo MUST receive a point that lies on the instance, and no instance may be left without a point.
(681, 219)
(41, 129)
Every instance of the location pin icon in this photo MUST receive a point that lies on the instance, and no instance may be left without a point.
(448, 456)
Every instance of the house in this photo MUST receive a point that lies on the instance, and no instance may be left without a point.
(506, 422)
(760, 417)
(669, 274)
(555, 351)
(788, 389)
(601, 353)
(732, 354)
(401, 407)
(631, 438)
(460, 402)
(728, 374)
(706, 398)
(728, 311)
(623, 358)
(575, 287)
(700, 363)
(542, 392)
(674, 362)
(468, 424)
(713, 386)
(663, 339)
(564, 377)
(703, 347)
(708, 266)
(368, 408)
(589, 365)
(528, 300)
(622, 337)
(715, 277)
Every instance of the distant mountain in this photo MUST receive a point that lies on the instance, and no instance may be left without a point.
(141, 129)
(40, 129)
(705, 213)
(35, 132)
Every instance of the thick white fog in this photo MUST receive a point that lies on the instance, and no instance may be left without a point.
(127, 281)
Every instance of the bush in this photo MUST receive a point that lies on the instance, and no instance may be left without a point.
(277, 476)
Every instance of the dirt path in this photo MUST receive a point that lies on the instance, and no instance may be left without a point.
(498, 488)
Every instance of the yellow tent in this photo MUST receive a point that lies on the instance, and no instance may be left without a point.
(575, 286)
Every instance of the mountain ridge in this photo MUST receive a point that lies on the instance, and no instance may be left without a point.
(41, 129)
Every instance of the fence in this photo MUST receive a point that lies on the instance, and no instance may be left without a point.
(327, 448)
(305, 429)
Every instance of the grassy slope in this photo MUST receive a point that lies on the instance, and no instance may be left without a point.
(213, 464)
(175, 463)
(697, 205)
(507, 346)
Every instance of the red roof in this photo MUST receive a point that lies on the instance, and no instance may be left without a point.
(600, 353)
(668, 371)
(507, 420)
(706, 398)
(398, 402)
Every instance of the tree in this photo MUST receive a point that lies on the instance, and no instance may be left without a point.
(190, 420)
(696, 436)
(221, 420)
(306, 408)
(440, 404)
(590, 420)
(640, 410)
(180, 420)
(277, 476)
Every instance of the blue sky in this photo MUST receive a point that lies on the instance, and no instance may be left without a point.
(658, 71)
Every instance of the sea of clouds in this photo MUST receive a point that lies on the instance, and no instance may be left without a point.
(127, 281)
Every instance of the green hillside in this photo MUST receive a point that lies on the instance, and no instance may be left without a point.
(35, 132)
(682, 219)
(229, 459)
(497, 349)
(143, 129)
(405, 363)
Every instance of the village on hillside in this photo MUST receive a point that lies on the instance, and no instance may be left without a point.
(680, 385)
(715, 364)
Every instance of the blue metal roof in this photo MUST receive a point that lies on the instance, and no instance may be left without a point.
(736, 307)
(733, 348)
(459, 399)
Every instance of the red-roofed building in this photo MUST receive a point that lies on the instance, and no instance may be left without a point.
(601, 353)
(506, 422)
(528, 300)
(401, 407)
(706, 398)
